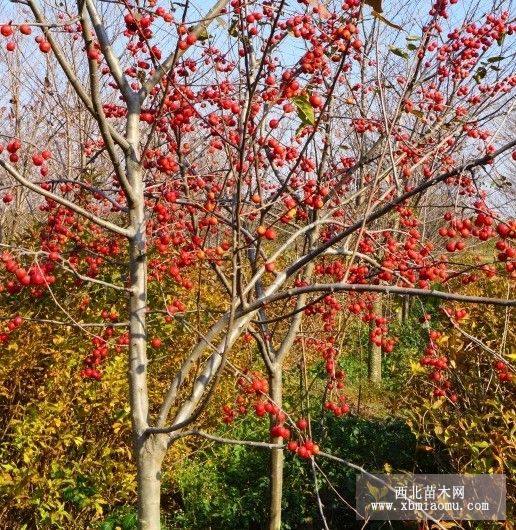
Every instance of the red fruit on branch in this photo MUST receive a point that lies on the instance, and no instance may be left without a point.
(6, 30)
(45, 46)
(270, 234)
(302, 424)
(156, 342)
(316, 101)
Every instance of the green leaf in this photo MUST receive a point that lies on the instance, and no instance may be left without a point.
(480, 74)
(129, 521)
(399, 52)
(305, 111)
(203, 34)
(233, 29)
(412, 47)
(413, 37)
(495, 59)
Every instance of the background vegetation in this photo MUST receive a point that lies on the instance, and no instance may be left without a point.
(59, 469)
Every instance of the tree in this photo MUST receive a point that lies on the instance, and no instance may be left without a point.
(284, 154)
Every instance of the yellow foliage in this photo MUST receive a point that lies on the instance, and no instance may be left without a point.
(53, 466)
(66, 454)
(479, 430)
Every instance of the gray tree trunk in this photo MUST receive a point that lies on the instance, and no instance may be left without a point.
(149, 462)
(374, 364)
(276, 471)
(148, 451)
(405, 309)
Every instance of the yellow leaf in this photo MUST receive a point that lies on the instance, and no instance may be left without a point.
(438, 403)
(418, 114)
(5, 479)
(424, 448)
(416, 368)
(116, 427)
(443, 339)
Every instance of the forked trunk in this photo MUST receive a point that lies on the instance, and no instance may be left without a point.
(276, 469)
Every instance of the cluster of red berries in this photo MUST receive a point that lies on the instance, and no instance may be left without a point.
(439, 364)
(38, 276)
(341, 408)
(250, 385)
(12, 324)
(12, 148)
(378, 333)
(175, 307)
(38, 159)
(100, 350)
(304, 449)
(335, 384)
(502, 369)
(254, 388)
(8, 31)
(460, 314)
(328, 310)
(96, 356)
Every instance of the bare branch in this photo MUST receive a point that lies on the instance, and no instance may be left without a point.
(166, 66)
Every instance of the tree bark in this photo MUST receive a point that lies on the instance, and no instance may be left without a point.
(149, 461)
(148, 451)
(276, 469)
(374, 364)
(137, 324)
(405, 309)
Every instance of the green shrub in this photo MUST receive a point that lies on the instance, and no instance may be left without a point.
(226, 486)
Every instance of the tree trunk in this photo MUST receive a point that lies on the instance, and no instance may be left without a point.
(138, 329)
(405, 309)
(148, 454)
(149, 461)
(276, 469)
(374, 364)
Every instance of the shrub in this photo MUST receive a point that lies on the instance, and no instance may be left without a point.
(226, 487)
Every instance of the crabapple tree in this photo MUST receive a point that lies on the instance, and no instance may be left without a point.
(303, 159)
